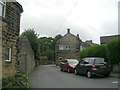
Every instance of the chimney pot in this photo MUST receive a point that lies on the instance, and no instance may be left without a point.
(78, 35)
(68, 30)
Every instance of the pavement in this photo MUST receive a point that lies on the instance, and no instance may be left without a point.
(115, 75)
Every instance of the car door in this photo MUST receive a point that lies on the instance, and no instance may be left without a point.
(85, 65)
(80, 67)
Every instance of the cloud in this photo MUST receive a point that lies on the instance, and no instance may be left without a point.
(89, 18)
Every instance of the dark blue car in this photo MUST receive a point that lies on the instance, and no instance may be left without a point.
(92, 66)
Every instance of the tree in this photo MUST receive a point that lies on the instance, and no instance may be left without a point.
(47, 48)
(57, 37)
(33, 39)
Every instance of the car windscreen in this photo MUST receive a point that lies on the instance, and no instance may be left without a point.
(72, 61)
(99, 61)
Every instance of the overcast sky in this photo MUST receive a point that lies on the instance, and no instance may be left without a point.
(88, 18)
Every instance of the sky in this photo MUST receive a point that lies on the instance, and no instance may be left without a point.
(88, 18)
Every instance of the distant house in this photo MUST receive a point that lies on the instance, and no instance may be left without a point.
(106, 39)
(10, 27)
(69, 46)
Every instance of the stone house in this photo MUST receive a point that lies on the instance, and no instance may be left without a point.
(106, 39)
(69, 46)
(26, 60)
(10, 23)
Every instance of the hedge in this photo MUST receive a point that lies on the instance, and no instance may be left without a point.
(94, 51)
(110, 51)
(113, 51)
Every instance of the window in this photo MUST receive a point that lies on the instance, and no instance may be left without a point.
(64, 47)
(91, 61)
(67, 47)
(2, 8)
(99, 61)
(81, 47)
(60, 58)
(61, 47)
(8, 54)
(86, 61)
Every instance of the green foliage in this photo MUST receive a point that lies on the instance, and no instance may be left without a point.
(94, 51)
(113, 51)
(57, 37)
(33, 39)
(44, 46)
(47, 46)
(43, 58)
(110, 52)
(17, 81)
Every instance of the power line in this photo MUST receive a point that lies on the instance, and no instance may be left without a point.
(67, 15)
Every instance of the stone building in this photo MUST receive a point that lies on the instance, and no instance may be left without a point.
(69, 46)
(106, 39)
(26, 60)
(10, 23)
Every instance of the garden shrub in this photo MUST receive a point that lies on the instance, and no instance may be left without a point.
(16, 81)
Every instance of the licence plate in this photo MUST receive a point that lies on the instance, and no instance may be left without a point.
(102, 66)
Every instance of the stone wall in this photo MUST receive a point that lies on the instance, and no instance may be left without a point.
(116, 68)
(26, 61)
(0, 48)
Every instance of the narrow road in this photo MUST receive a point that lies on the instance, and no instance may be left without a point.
(49, 76)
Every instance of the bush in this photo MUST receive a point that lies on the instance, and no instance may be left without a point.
(17, 81)
(94, 51)
(113, 51)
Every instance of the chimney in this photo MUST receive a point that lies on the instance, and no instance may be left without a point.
(68, 30)
(77, 35)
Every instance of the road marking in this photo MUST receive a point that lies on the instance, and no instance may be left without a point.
(115, 82)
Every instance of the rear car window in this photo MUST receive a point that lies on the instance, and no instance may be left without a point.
(72, 61)
(99, 61)
(91, 61)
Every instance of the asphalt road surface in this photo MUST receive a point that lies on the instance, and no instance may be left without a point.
(49, 76)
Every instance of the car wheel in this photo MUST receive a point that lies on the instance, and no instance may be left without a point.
(107, 75)
(61, 69)
(89, 75)
(76, 72)
(68, 70)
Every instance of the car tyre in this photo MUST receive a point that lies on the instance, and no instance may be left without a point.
(68, 70)
(76, 72)
(89, 75)
(107, 75)
(61, 69)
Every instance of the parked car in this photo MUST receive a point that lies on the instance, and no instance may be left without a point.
(68, 65)
(92, 66)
